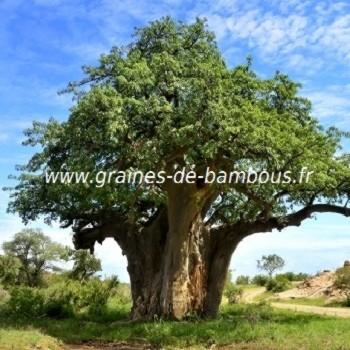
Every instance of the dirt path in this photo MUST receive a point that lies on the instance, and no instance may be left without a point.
(319, 310)
(250, 294)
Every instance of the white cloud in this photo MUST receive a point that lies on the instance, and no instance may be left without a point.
(314, 31)
(332, 105)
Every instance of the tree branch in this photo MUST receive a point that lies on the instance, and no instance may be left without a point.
(241, 229)
(295, 219)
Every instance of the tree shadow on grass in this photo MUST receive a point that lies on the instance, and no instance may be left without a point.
(235, 324)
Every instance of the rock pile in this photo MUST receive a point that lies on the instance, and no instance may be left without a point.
(321, 285)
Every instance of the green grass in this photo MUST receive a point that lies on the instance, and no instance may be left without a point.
(305, 301)
(312, 302)
(249, 326)
(27, 339)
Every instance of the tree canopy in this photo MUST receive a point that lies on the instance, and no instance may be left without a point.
(170, 99)
(31, 253)
(270, 263)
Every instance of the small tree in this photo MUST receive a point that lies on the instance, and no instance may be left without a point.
(85, 265)
(36, 253)
(270, 263)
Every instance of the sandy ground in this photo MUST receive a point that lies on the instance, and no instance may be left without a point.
(250, 294)
(319, 310)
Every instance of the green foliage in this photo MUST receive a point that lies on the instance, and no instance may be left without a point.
(26, 302)
(85, 265)
(10, 267)
(61, 299)
(293, 277)
(233, 293)
(169, 99)
(343, 282)
(4, 296)
(260, 280)
(94, 295)
(277, 285)
(35, 252)
(66, 298)
(243, 279)
(270, 263)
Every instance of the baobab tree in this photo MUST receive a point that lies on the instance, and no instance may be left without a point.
(169, 101)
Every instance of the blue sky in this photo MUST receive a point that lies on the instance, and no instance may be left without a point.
(43, 44)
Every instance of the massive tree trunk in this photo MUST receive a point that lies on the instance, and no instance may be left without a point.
(177, 266)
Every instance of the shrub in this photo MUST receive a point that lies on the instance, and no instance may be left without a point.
(61, 299)
(26, 301)
(277, 285)
(233, 293)
(260, 280)
(122, 294)
(342, 281)
(94, 295)
(10, 267)
(242, 279)
(293, 277)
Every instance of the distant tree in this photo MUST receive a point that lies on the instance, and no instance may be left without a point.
(85, 265)
(270, 263)
(242, 279)
(36, 253)
(9, 270)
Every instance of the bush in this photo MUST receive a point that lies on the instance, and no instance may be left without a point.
(61, 299)
(242, 279)
(26, 301)
(293, 277)
(260, 280)
(277, 285)
(342, 282)
(233, 293)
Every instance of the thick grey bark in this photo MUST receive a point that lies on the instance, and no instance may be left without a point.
(178, 266)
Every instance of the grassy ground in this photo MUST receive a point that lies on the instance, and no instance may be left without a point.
(313, 302)
(307, 301)
(249, 327)
(246, 326)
